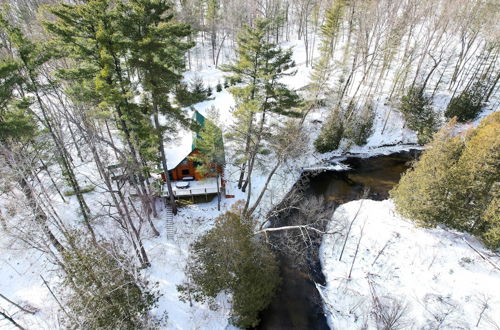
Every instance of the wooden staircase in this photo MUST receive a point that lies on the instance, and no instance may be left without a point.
(170, 222)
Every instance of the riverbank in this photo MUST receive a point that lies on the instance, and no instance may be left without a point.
(428, 278)
(298, 305)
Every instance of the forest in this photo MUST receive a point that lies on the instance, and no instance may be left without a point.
(102, 100)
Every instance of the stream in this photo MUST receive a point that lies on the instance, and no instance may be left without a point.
(298, 304)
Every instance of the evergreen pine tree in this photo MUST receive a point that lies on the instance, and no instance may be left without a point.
(229, 258)
(156, 46)
(477, 175)
(322, 68)
(456, 182)
(89, 33)
(331, 132)
(211, 146)
(192, 94)
(422, 192)
(416, 108)
(212, 17)
(491, 235)
(16, 120)
(360, 127)
(105, 290)
(468, 104)
(259, 67)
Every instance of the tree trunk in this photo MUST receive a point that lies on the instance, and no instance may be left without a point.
(126, 130)
(492, 88)
(255, 149)
(117, 197)
(40, 216)
(218, 192)
(247, 150)
(65, 162)
(164, 162)
(11, 320)
(263, 191)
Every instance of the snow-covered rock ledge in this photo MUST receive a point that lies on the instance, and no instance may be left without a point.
(334, 161)
(425, 278)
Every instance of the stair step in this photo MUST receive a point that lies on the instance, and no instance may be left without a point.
(170, 223)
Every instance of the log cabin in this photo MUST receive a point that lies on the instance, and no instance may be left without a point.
(181, 166)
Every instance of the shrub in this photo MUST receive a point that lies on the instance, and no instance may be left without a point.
(229, 258)
(491, 235)
(417, 111)
(456, 182)
(331, 133)
(105, 290)
(218, 87)
(195, 93)
(360, 127)
(467, 105)
(233, 80)
(83, 190)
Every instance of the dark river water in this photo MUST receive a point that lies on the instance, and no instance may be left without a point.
(298, 304)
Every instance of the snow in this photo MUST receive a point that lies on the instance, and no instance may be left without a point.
(21, 269)
(433, 271)
(20, 282)
(426, 268)
(168, 262)
(178, 148)
(201, 187)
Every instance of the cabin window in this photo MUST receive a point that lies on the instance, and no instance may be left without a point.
(185, 172)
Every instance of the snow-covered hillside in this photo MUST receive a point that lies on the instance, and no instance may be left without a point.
(435, 273)
(21, 282)
(419, 278)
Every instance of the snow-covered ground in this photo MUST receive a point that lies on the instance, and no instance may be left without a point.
(432, 276)
(20, 281)
(21, 268)
(168, 262)
(424, 267)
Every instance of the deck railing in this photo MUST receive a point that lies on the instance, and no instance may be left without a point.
(192, 191)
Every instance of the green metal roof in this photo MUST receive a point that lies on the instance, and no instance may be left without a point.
(198, 117)
(200, 120)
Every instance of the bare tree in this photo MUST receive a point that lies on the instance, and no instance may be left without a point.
(299, 231)
(390, 313)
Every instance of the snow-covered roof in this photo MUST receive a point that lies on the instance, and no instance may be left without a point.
(178, 148)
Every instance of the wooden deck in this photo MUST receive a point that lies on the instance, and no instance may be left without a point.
(196, 188)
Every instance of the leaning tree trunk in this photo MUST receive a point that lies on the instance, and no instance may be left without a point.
(493, 86)
(264, 189)
(247, 150)
(11, 320)
(40, 216)
(125, 220)
(64, 156)
(161, 147)
(126, 130)
(255, 149)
